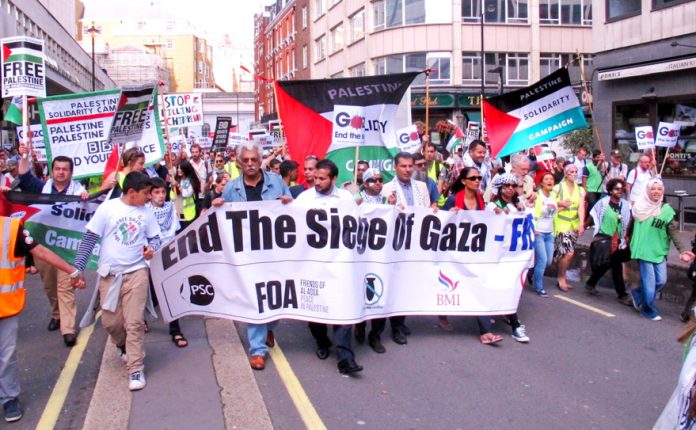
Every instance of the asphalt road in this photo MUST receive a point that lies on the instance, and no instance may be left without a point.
(581, 370)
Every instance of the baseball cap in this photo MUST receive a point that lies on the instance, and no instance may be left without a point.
(615, 153)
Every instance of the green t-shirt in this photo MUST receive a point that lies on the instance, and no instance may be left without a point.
(610, 222)
(650, 241)
(594, 179)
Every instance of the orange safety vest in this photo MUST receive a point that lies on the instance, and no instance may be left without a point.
(12, 294)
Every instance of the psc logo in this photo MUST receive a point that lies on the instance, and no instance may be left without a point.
(200, 291)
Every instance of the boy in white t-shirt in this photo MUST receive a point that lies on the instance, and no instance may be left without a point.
(129, 235)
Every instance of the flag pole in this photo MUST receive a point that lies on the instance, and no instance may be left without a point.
(166, 124)
(590, 102)
(427, 106)
(663, 161)
(25, 124)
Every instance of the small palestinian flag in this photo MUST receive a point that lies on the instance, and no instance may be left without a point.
(14, 111)
(456, 140)
(529, 116)
(132, 114)
(332, 117)
(23, 69)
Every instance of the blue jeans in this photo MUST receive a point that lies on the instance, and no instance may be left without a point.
(257, 337)
(543, 251)
(653, 278)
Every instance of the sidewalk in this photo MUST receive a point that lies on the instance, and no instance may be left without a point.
(208, 385)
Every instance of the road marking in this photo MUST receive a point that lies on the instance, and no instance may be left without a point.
(304, 406)
(584, 306)
(51, 412)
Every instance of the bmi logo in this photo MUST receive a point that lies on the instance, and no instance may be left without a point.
(447, 296)
(374, 288)
(200, 291)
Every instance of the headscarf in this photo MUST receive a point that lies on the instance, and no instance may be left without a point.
(502, 179)
(369, 174)
(645, 207)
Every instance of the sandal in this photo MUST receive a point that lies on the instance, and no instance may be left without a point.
(179, 340)
(490, 339)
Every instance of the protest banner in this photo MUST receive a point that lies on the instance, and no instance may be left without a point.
(667, 134)
(205, 142)
(472, 133)
(222, 132)
(237, 139)
(151, 140)
(408, 139)
(644, 137)
(529, 116)
(77, 126)
(241, 262)
(337, 118)
(23, 67)
(181, 110)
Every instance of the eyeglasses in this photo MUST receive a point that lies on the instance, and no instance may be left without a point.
(378, 180)
(474, 178)
(509, 185)
(617, 189)
(219, 161)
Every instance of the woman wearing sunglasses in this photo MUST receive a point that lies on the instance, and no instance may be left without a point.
(466, 196)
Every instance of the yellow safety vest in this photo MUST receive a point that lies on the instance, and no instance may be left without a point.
(231, 169)
(567, 219)
(188, 212)
(12, 293)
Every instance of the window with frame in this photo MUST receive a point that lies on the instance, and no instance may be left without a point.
(550, 62)
(661, 4)
(379, 66)
(357, 26)
(395, 13)
(505, 11)
(305, 56)
(471, 10)
(337, 75)
(304, 17)
(471, 68)
(378, 17)
(319, 8)
(336, 38)
(357, 70)
(617, 9)
(441, 63)
(320, 48)
(517, 69)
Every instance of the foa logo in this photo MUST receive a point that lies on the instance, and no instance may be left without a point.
(199, 290)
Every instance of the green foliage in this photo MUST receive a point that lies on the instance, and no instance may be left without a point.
(576, 139)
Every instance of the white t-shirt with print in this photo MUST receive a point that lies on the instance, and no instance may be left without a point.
(124, 230)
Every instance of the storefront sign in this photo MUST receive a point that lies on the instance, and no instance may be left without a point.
(649, 69)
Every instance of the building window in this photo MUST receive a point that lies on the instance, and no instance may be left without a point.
(416, 62)
(357, 26)
(617, 9)
(380, 66)
(337, 75)
(549, 63)
(441, 63)
(320, 49)
(661, 4)
(333, 2)
(471, 10)
(319, 8)
(565, 12)
(305, 56)
(337, 38)
(304, 17)
(498, 11)
(395, 13)
(515, 68)
(357, 71)
(378, 15)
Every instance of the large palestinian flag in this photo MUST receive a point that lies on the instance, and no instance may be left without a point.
(331, 117)
(527, 117)
(23, 68)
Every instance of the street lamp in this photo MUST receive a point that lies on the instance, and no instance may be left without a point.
(499, 71)
(91, 30)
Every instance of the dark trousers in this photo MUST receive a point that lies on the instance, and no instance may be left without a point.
(174, 327)
(341, 335)
(484, 324)
(377, 327)
(616, 266)
(397, 322)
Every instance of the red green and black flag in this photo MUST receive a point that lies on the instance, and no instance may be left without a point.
(329, 118)
(529, 116)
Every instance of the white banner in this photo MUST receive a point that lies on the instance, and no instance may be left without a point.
(262, 261)
(181, 110)
(667, 134)
(644, 137)
(23, 67)
(237, 139)
(77, 126)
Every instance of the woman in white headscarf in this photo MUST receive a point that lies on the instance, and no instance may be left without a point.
(653, 228)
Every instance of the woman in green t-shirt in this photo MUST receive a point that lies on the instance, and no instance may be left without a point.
(653, 228)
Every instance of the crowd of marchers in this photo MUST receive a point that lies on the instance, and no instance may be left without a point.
(146, 206)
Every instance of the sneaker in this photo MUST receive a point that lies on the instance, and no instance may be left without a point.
(122, 353)
(13, 410)
(542, 293)
(520, 335)
(656, 318)
(136, 380)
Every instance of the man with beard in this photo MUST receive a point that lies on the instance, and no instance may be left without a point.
(326, 194)
(420, 174)
(310, 164)
(476, 157)
(404, 191)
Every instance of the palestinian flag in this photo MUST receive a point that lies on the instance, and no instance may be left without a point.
(15, 210)
(527, 117)
(457, 139)
(131, 116)
(27, 78)
(330, 118)
(14, 111)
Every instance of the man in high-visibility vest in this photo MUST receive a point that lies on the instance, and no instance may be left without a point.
(15, 244)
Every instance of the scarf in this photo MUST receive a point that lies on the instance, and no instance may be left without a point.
(164, 215)
(418, 199)
(48, 188)
(644, 207)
